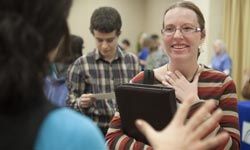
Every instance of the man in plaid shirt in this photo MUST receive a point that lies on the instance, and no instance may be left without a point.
(101, 70)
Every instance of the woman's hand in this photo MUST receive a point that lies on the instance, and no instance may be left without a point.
(181, 85)
(179, 135)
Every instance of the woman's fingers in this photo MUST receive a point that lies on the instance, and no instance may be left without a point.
(179, 74)
(170, 80)
(172, 75)
(167, 84)
(196, 78)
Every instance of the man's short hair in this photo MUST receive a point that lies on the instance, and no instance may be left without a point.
(126, 41)
(106, 20)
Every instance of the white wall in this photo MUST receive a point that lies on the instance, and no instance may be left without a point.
(204, 6)
(215, 23)
(154, 11)
(213, 14)
(132, 13)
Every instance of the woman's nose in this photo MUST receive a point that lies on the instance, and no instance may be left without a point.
(178, 34)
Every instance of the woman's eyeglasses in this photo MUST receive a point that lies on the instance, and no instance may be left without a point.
(185, 30)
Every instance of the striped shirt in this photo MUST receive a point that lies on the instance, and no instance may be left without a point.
(211, 85)
(92, 74)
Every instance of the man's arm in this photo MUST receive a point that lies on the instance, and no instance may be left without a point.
(76, 85)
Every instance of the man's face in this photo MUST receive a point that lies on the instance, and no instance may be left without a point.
(106, 43)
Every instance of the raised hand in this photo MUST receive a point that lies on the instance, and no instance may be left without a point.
(179, 135)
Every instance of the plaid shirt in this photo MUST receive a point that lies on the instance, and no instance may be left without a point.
(92, 74)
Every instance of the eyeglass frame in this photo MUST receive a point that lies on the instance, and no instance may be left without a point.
(195, 29)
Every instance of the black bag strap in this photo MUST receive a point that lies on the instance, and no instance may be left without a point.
(148, 77)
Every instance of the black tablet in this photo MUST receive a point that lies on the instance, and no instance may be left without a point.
(155, 104)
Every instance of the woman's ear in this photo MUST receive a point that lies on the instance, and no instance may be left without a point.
(203, 34)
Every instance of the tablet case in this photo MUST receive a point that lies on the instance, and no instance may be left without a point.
(155, 104)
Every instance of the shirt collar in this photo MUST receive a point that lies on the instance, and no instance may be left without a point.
(119, 54)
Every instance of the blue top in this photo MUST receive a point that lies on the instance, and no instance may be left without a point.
(143, 56)
(143, 53)
(56, 91)
(55, 87)
(222, 62)
(64, 129)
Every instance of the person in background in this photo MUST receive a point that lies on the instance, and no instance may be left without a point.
(77, 46)
(30, 31)
(157, 56)
(145, 44)
(141, 36)
(125, 45)
(246, 84)
(183, 32)
(221, 60)
(55, 86)
(101, 70)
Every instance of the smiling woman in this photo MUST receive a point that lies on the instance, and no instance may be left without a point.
(183, 33)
